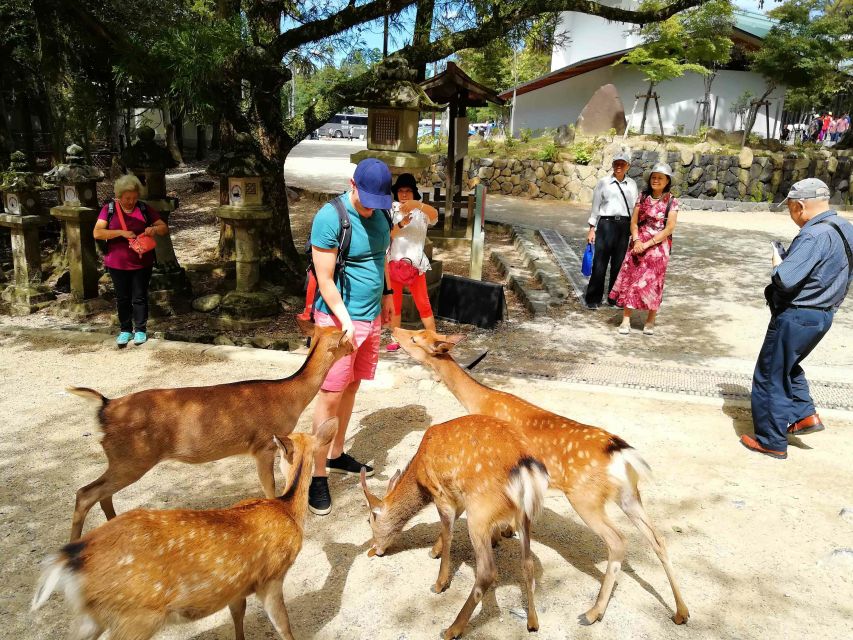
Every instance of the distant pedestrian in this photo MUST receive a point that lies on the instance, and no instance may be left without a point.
(814, 128)
(831, 130)
(843, 126)
(351, 132)
(641, 278)
(119, 223)
(610, 226)
(808, 285)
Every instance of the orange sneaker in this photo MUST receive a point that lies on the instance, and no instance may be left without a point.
(811, 424)
(752, 444)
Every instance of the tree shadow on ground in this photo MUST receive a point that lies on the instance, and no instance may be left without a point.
(382, 430)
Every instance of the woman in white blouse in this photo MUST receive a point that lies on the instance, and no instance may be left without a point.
(407, 263)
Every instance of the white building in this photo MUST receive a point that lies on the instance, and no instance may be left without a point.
(585, 63)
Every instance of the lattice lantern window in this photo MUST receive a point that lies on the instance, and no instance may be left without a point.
(386, 129)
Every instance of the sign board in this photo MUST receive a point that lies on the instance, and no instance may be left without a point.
(244, 191)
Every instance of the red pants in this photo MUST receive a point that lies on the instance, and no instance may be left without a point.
(419, 292)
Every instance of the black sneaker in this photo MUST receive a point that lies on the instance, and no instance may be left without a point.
(319, 498)
(348, 465)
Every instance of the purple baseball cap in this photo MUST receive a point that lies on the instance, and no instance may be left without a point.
(372, 178)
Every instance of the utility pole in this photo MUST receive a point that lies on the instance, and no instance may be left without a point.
(514, 87)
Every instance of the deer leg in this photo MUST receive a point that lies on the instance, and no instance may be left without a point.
(238, 611)
(529, 576)
(265, 462)
(591, 511)
(86, 628)
(504, 531)
(448, 517)
(104, 487)
(486, 575)
(273, 600)
(108, 508)
(633, 508)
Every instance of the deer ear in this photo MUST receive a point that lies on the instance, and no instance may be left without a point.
(305, 326)
(326, 431)
(455, 338)
(372, 501)
(393, 482)
(285, 445)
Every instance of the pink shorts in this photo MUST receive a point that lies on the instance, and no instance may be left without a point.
(361, 363)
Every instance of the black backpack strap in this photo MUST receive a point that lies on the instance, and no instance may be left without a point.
(143, 208)
(625, 198)
(145, 211)
(344, 238)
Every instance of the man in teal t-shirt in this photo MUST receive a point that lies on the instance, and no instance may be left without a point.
(359, 305)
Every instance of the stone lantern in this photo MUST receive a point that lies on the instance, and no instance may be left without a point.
(77, 184)
(394, 103)
(148, 161)
(243, 207)
(24, 215)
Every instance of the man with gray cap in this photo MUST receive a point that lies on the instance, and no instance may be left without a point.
(610, 226)
(808, 285)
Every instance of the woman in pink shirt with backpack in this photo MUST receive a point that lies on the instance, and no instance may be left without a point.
(128, 226)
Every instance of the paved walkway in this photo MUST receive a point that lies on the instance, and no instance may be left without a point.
(711, 324)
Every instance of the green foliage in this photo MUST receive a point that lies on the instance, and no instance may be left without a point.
(526, 134)
(582, 152)
(548, 153)
(702, 134)
(509, 144)
(488, 145)
(694, 41)
(807, 48)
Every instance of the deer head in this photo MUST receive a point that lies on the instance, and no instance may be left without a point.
(288, 445)
(333, 341)
(425, 344)
(381, 525)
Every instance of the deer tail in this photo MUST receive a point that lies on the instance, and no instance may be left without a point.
(627, 466)
(89, 394)
(528, 482)
(54, 573)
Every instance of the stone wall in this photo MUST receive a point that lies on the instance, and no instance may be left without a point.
(699, 175)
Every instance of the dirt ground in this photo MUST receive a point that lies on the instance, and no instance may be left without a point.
(759, 546)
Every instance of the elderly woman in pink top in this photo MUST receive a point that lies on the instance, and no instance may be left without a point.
(121, 221)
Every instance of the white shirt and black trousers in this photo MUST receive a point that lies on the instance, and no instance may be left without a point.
(611, 216)
(807, 289)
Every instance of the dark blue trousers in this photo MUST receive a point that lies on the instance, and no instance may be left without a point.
(780, 392)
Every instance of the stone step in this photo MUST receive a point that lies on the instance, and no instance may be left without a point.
(518, 280)
(536, 259)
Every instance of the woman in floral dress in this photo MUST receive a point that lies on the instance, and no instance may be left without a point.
(639, 284)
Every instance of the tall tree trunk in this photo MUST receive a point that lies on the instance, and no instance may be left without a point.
(6, 142)
(646, 108)
(705, 116)
(423, 30)
(171, 141)
(752, 115)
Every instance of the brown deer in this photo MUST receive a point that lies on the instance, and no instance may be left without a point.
(145, 568)
(506, 488)
(201, 424)
(589, 465)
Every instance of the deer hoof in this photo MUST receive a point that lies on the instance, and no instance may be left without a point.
(532, 627)
(589, 618)
(438, 587)
(681, 618)
(434, 555)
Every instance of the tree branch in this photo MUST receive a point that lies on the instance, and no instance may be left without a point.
(341, 21)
